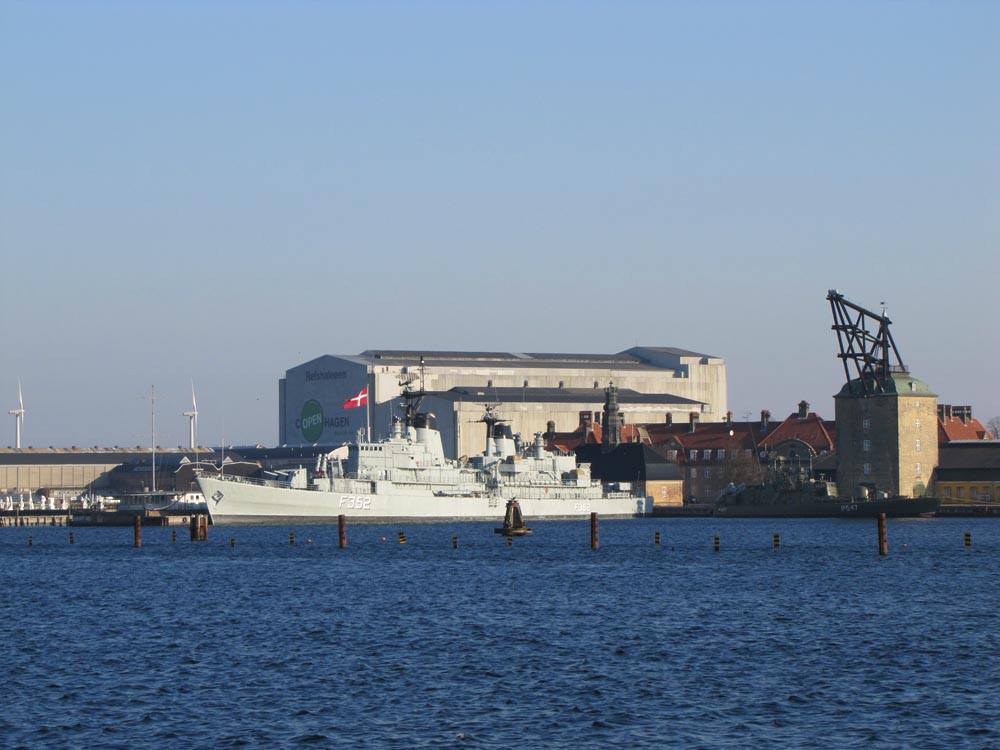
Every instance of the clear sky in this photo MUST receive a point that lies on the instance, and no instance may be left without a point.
(219, 191)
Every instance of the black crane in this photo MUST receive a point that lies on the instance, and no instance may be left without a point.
(866, 342)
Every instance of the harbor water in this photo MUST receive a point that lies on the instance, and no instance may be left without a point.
(248, 640)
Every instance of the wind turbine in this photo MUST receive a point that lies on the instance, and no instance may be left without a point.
(193, 418)
(18, 416)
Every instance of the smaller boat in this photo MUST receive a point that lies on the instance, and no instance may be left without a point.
(513, 521)
(816, 499)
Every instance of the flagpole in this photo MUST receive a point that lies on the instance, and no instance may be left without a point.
(368, 412)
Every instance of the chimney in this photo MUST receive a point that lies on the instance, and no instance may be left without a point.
(670, 419)
(765, 417)
(550, 427)
(584, 418)
(941, 412)
(803, 409)
(729, 419)
(692, 421)
(965, 412)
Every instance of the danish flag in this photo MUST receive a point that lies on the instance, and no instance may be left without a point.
(360, 400)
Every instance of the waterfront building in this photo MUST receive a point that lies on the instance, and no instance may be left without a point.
(330, 399)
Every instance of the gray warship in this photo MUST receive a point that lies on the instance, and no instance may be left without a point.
(407, 477)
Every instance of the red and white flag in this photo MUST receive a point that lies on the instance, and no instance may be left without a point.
(360, 400)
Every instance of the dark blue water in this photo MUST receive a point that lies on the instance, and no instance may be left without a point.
(543, 644)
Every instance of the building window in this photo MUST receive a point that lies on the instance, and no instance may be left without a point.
(918, 446)
(693, 472)
(961, 491)
(866, 446)
(747, 453)
(917, 423)
(947, 491)
(693, 455)
(918, 470)
(866, 423)
(671, 455)
(708, 473)
(867, 469)
(721, 454)
(916, 404)
(706, 455)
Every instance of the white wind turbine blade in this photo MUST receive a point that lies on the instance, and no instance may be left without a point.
(20, 399)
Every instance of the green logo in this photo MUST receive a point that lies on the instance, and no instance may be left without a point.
(311, 422)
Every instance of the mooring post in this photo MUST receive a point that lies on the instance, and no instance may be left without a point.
(402, 538)
(883, 537)
(71, 541)
(194, 528)
(777, 541)
(203, 532)
(656, 538)
(454, 542)
(968, 539)
(594, 541)
(173, 536)
(715, 543)
(291, 537)
(29, 540)
(137, 530)
(232, 541)
(342, 530)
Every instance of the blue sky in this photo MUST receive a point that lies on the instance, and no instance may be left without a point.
(219, 191)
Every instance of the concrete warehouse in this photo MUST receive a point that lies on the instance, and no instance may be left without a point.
(330, 399)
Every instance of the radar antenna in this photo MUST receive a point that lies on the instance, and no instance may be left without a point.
(866, 342)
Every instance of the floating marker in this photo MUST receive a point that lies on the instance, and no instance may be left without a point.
(402, 538)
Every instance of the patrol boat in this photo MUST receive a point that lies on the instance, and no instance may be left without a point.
(408, 478)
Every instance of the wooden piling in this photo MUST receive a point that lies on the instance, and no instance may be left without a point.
(968, 539)
(71, 539)
(777, 541)
(402, 538)
(454, 542)
(291, 538)
(594, 532)
(137, 530)
(883, 536)
(715, 543)
(232, 541)
(342, 530)
(656, 538)
(173, 536)
(30, 540)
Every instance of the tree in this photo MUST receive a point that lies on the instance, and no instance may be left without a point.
(993, 425)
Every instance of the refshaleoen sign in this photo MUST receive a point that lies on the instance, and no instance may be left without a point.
(311, 421)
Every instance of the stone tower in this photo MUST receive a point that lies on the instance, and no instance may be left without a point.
(886, 418)
(612, 423)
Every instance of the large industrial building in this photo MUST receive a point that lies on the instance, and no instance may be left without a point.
(329, 400)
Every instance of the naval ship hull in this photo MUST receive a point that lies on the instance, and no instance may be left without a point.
(759, 502)
(250, 501)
